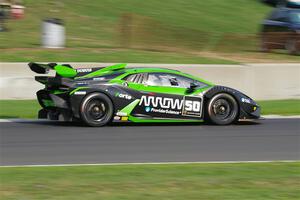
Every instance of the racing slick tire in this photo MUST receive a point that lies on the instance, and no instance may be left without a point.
(222, 109)
(96, 109)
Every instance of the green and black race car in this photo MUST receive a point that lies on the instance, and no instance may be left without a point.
(98, 96)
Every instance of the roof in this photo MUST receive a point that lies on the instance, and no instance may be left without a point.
(150, 69)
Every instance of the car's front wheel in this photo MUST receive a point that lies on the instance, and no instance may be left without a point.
(96, 109)
(222, 109)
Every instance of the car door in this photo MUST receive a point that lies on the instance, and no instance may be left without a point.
(163, 96)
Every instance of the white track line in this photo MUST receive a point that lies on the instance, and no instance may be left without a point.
(281, 117)
(151, 163)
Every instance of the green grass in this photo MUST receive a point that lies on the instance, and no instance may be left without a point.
(281, 107)
(19, 108)
(104, 55)
(29, 108)
(92, 23)
(259, 181)
(98, 31)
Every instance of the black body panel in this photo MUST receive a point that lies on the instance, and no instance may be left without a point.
(249, 109)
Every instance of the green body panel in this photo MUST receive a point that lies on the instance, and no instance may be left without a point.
(48, 103)
(128, 109)
(65, 71)
(141, 87)
(103, 71)
(165, 90)
(77, 89)
(129, 71)
(159, 89)
(58, 91)
(135, 119)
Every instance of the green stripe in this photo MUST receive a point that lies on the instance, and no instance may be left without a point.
(127, 109)
(75, 90)
(65, 71)
(136, 119)
(103, 71)
(58, 91)
(48, 103)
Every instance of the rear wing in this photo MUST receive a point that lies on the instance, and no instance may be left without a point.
(41, 68)
(63, 70)
(67, 71)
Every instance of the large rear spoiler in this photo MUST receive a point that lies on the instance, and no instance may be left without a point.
(62, 70)
(41, 68)
(68, 71)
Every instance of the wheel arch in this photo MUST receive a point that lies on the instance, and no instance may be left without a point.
(109, 112)
(76, 100)
(218, 90)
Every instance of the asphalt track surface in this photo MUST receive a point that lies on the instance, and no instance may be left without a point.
(43, 143)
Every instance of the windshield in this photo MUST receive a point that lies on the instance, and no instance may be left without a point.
(295, 17)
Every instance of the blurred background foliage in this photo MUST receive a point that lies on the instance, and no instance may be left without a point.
(188, 27)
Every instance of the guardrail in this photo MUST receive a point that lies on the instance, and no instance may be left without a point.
(259, 81)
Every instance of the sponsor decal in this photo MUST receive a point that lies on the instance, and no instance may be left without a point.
(165, 111)
(99, 79)
(84, 70)
(246, 100)
(193, 106)
(123, 96)
(189, 106)
(80, 93)
(162, 102)
(117, 118)
(124, 118)
(121, 114)
(81, 83)
(148, 109)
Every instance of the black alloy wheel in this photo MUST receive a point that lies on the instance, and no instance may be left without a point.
(96, 109)
(223, 109)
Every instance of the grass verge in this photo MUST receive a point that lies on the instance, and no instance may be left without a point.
(29, 108)
(242, 181)
(192, 31)
(106, 55)
(19, 109)
(280, 107)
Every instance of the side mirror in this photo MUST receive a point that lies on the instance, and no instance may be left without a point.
(192, 87)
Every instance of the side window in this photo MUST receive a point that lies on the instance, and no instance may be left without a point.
(185, 82)
(136, 78)
(130, 78)
(171, 80)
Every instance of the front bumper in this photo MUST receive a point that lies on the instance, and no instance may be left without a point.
(250, 111)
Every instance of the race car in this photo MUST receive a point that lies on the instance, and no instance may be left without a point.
(100, 95)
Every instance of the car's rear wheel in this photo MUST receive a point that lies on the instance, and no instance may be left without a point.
(222, 109)
(96, 109)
